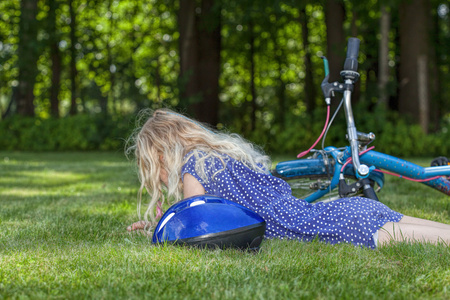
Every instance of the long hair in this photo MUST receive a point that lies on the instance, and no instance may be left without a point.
(164, 141)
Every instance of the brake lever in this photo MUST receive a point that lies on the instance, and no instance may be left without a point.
(328, 88)
(346, 190)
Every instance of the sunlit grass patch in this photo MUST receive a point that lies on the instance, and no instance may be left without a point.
(62, 235)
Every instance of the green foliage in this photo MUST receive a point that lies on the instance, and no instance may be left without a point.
(128, 57)
(9, 33)
(395, 135)
(398, 135)
(79, 132)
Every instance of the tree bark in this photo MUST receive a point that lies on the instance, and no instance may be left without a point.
(111, 66)
(414, 86)
(309, 87)
(252, 76)
(200, 44)
(188, 43)
(73, 62)
(438, 106)
(55, 57)
(423, 91)
(334, 19)
(28, 54)
(136, 39)
(383, 66)
(209, 63)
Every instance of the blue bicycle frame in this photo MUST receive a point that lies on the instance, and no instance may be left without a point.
(321, 166)
(363, 164)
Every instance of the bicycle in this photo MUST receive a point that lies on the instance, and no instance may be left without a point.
(353, 169)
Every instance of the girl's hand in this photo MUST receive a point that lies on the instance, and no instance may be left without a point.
(139, 225)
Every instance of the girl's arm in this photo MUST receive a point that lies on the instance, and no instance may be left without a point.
(191, 186)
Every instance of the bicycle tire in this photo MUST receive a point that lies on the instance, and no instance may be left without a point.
(305, 185)
(311, 175)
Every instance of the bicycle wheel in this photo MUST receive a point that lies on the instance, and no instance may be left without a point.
(310, 176)
(304, 186)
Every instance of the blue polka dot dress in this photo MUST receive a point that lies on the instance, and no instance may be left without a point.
(352, 220)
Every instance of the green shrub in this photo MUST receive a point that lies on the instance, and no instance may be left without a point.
(396, 135)
(73, 133)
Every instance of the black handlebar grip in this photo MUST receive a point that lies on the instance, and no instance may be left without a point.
(351, 62)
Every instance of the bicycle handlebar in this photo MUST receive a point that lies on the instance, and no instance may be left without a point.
(350, 75)
(351, 61)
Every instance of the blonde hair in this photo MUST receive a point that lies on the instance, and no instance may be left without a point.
(163, 143)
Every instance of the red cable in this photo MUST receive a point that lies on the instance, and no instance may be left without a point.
(408, 178)
(349, 160)
(323, 131)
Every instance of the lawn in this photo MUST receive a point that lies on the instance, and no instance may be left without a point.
(62, 236)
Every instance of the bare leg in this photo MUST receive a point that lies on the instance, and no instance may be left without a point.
(414, 229)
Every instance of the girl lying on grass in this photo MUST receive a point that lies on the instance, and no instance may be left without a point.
(179, 155)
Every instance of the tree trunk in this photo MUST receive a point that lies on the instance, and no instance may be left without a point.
(200, 59)
(437, 105)
(309, 86)
(136, 39)
(73, 62)
(393, 100)
(252, 76)
(334, 19)
(280, 89)
(27, 57)
(209, 63)
(111, 66)
(383, 66)
(188, 43)
(55, 57)
(414, 38)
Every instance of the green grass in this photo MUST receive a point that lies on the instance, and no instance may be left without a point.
(62, 236)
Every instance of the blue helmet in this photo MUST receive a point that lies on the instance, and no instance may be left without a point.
(210, 221)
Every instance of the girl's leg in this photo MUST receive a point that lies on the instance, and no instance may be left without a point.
(414, 229)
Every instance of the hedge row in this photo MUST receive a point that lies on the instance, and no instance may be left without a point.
(80, 132)
(395, 135)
